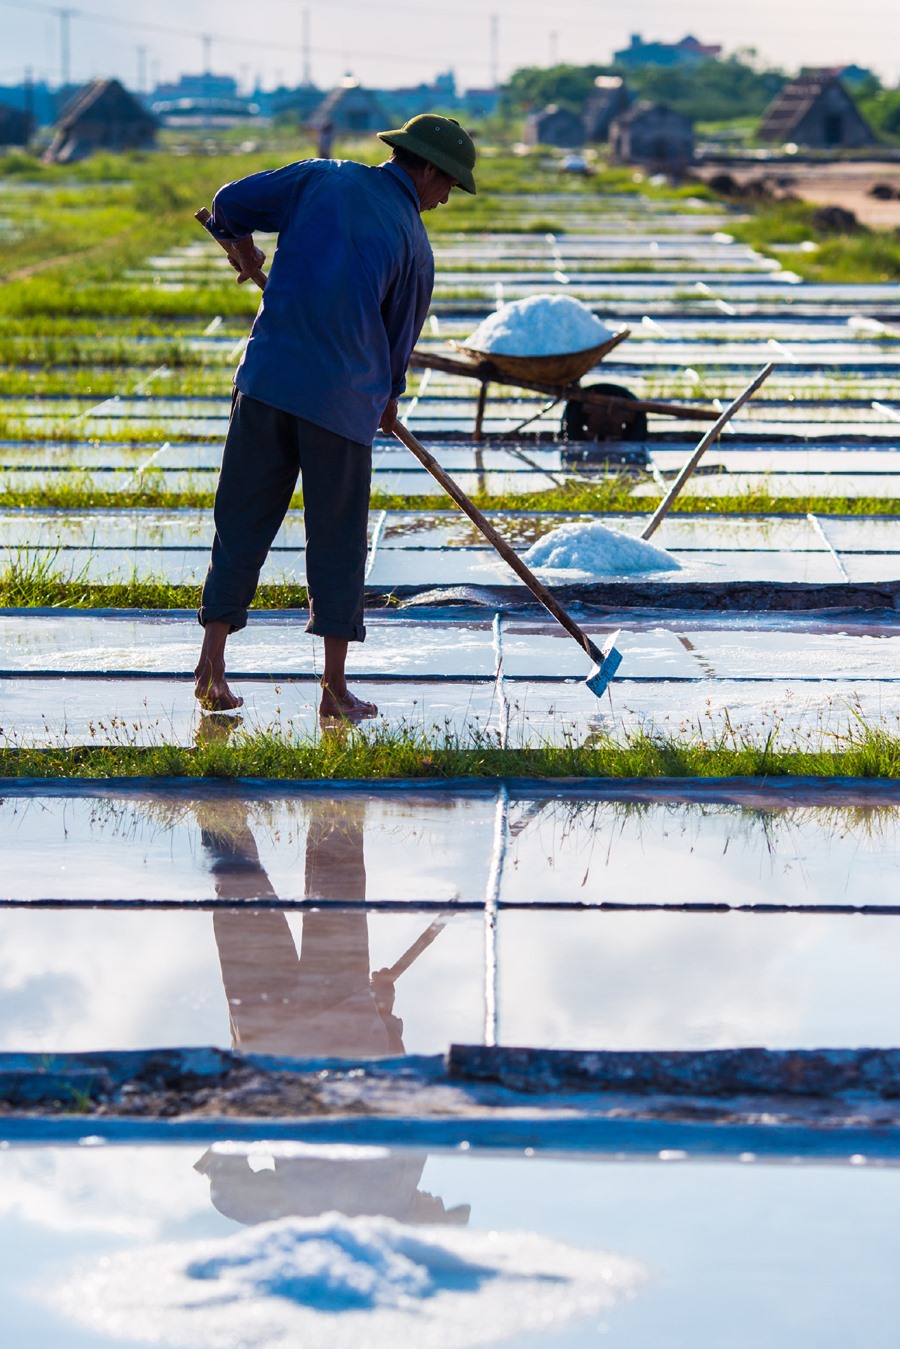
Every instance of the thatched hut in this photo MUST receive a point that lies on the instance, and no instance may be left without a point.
(554, 126)
(815, 110)
(16, 125)
(350, 107)
(652, 134)
(608, 100)
(101, 116)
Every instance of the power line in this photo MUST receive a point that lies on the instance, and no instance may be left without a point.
(225, 39)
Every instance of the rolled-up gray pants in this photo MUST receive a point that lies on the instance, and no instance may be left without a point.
(265, 450)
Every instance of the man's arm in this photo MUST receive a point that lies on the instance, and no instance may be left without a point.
(262, 201)
(404, 313)
(389, 417)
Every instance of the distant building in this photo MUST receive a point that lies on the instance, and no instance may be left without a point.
(101, 116)
(687, 52)
(206, 85)
(478, 103)
(199, 112)
(815, 110)
(298, 103)
(16, 126)
(401, 104)
(855, 74)
(554, 126)
(654, 135)
(34, 98)
(350, 107)
(607, 101)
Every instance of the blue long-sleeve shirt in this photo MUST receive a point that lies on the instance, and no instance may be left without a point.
(349, 288)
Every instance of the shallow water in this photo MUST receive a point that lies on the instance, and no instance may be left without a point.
(727, 1254)
(182, 927)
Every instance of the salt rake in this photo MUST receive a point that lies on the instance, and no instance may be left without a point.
(607, 658)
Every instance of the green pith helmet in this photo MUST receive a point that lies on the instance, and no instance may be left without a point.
(440, 140)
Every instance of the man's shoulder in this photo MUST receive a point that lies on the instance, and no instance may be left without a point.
(382, 182)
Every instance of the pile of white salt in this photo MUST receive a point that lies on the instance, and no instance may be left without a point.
(542, 325)
(595, 550)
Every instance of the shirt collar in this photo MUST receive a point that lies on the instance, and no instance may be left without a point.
(403, 178)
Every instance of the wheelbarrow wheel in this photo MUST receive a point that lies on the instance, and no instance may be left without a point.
(587, 421)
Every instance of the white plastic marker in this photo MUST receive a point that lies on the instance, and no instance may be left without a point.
(665, 505)
(606, 658)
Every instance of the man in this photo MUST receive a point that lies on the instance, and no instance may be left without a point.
(349, 289)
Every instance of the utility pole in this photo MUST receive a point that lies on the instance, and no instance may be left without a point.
(554, 49)
(142, 70)
(28, 97)
(306, 79)
(64, 61)
(495, 45)
(207, 78)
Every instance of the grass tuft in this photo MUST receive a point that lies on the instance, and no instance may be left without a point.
(223, 749)
(31, 581)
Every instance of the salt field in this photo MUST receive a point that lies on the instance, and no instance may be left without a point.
(453, 1048)
(666, 1252)
(791, 892)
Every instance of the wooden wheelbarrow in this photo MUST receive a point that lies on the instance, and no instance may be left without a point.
(596, 412)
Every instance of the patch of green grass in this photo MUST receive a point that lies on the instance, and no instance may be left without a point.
(32, 580)
(611, 495)
(380, 752)
(865, 256)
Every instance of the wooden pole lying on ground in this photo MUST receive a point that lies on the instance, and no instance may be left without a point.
(607, 659)
(667, 502)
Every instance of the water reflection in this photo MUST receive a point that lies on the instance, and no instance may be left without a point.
(324, 1000)
(321, 1001)
(260, 1183)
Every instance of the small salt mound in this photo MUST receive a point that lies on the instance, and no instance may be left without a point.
(345, 1283)
(595, 550)
(542, 325)
(335, 1267)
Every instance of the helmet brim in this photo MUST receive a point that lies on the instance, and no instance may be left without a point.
(406, 140)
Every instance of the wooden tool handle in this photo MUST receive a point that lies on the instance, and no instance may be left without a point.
(205, 217)
(512, 559)
(419, 945)
(668, 501)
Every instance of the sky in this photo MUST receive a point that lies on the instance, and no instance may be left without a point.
(399, 42)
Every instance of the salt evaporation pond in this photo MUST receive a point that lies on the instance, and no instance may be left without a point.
(594, 549)
(108, 1247)
(346, 1282)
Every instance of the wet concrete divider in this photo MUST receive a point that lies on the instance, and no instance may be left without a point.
(824, 1105)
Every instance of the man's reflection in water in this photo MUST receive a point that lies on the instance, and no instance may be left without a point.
(323, 1002)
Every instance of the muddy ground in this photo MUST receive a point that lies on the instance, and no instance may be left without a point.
(843, 183)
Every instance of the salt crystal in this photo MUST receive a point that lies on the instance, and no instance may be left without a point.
(542, 325)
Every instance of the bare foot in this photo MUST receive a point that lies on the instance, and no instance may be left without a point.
(344, 706)
(212, 692)
(217, 728)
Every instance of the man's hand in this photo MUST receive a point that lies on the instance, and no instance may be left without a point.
(382, 986)
(388, 417)
(245, 258)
